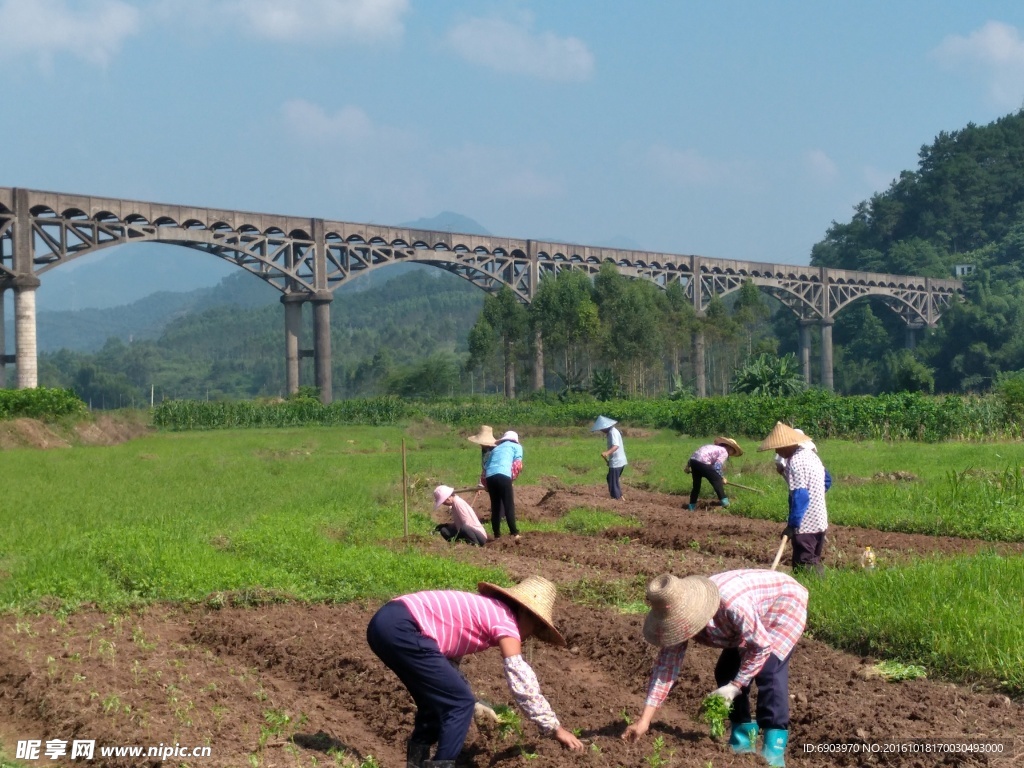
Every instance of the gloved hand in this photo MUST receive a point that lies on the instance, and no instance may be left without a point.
(789, 532)
(727, 692)
(483, 713)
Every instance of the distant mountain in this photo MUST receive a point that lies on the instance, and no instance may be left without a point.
(125, 274)
(447, 221)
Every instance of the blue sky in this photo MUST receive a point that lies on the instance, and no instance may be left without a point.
(734, 130)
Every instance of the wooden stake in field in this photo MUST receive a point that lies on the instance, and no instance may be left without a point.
(405, 491)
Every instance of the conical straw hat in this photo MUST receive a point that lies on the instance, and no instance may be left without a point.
(728, 443)
(484, 437)
(680, 608)
(537, 595)
(603, 422)
(782, 436)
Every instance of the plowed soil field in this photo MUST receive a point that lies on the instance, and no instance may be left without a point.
(225, 677)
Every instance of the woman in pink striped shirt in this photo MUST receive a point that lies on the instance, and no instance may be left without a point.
(422, 636)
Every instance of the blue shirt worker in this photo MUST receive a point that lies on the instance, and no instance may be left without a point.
(808, 481)
(504, 464)
(615, 456)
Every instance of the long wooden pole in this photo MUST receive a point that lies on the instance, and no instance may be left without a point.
(405, 491)
(778, 556)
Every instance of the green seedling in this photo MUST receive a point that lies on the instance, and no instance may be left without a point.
(894, 671)
(657, 758)
(713, 711)
(509, 722)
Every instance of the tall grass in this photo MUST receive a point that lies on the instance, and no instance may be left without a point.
(960, 617)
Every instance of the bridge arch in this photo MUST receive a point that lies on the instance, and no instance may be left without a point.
(307, 259)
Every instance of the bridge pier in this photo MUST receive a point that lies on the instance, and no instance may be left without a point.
(805, 350)
(910, 336)
(322, 343)
(25, 330)
(826, 354)
(3, 337)
(292, 329)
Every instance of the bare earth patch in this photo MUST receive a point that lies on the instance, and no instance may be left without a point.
(223, 676)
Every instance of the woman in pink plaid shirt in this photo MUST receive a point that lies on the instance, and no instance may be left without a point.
(756, 617)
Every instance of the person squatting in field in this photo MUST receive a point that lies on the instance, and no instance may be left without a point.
(808, 483)
(707, 462)
(615, 456)
(465, 525)
(756, 617)
(421, 637)
(504, 463)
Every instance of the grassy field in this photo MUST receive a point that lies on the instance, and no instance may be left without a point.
(316, 514)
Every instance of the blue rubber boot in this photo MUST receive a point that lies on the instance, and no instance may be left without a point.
(725, 501)
(743, 738)
(774, 748)
(691, 507)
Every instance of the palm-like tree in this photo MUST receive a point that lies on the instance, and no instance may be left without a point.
(769, 375)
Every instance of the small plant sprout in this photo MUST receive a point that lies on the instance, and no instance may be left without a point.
(658, 758)
(713, 711)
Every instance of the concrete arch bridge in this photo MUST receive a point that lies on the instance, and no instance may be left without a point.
(307, 259)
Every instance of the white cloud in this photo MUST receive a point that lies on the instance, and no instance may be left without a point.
(689, 168)
(515, 48)
(820, 166)
(93, 31)
(996, 53)
(295, 20)
(350, 125)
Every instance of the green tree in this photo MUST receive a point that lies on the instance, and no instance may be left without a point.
(564, 311)
(508, 318)
(769, 375)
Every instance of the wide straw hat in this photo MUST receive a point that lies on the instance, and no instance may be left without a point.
(510, 435)
(441, 494)
(730, 445)
(782, 436)
(603, 422)
(484, 437)
(537, 595)
(680, 608)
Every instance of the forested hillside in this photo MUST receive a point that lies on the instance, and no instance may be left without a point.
(232, 343)
(963, 205)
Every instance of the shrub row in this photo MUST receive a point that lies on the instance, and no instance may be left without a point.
(822, 414)
(40, 403)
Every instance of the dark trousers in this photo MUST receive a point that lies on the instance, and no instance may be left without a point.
(807, 549)
(614, 488)
(449, 533)
(503, 502)
(772, 690)
(444, 701)
(700, 471)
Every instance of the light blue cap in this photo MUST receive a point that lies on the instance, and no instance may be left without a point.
(603, 422)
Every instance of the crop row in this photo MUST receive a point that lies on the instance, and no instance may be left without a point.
(900, 416)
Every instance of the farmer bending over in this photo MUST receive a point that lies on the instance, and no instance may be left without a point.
(422, 636)
(756, 617)
(707, 462)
